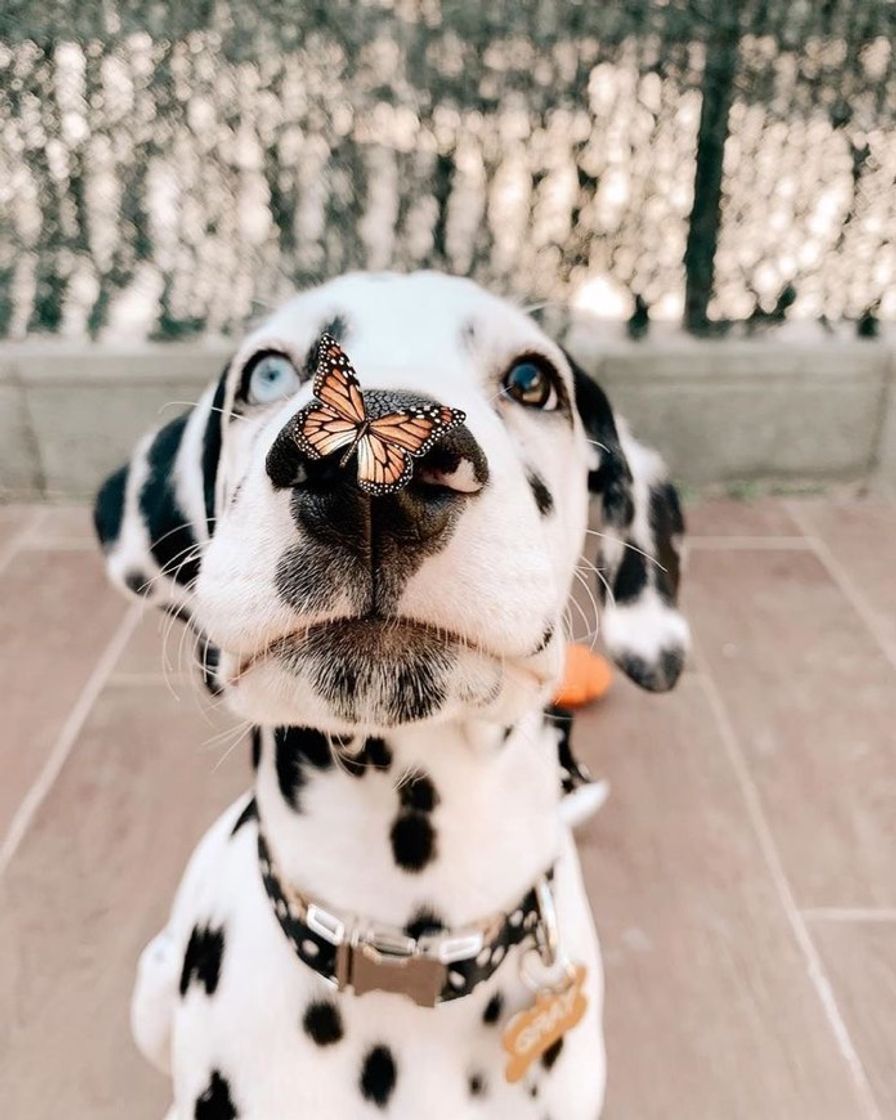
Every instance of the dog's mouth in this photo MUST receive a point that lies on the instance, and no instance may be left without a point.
(381, 639)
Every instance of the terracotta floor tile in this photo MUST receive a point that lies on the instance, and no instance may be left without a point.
(728, 517)
(813, 702)
(13, 519)
(91, 883)
(861, 960)
(862, 537)
(56, 616)
(160, 646)
(66, 526)
(710, 1013)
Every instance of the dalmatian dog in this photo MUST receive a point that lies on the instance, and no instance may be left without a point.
(360, 933)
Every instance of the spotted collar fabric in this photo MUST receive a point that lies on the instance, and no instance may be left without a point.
(503, 932)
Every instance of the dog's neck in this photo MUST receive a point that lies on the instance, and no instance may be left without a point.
(462, 813)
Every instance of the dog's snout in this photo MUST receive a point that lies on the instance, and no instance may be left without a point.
(456, 463)
(330, 505)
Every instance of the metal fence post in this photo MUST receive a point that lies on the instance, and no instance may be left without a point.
(719, 75)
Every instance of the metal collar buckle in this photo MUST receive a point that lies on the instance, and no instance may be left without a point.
(372, 957)
(377, 959)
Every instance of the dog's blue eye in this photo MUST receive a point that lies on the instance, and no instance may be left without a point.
(530, 383)
(272, 378)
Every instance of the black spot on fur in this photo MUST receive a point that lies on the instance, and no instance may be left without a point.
(631, 578)
(378, 753)
(256, 748)
(180, 613)
(336, 327)
(418, 792)
(543, 497)
(136, 581)
(493, 1009)
(533, 1091)
(202, 960)
(172, 543)
(424, 921)
(550, 1056)
(211, 450)
(215, 1102)
(250, 813)
(378, 1076)
(375, 754)
(413, 841)
(672, 663)
(323, 1023)
(108, 509)
(667, 522)
(655, 676)
(477, 1085)
(573, 772)
(613, 478)
(545, 640)
(296, 749)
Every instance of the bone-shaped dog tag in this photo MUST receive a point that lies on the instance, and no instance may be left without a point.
(533, 1031)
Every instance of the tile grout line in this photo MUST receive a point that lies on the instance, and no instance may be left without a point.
(815, 968)
(841, 577)
(20, 541)
(858, 914)
(66, 738)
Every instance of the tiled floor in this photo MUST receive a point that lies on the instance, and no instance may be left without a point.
(743, 872)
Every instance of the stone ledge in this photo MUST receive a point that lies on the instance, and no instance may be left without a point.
(721, 412)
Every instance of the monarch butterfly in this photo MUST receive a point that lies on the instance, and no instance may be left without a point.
(386, 446)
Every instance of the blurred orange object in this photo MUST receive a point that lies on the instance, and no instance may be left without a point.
(587, 677)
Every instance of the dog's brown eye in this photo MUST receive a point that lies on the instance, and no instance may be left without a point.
(528, 382)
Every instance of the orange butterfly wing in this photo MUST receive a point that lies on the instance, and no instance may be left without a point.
(417, 429)
(336, 383)
(386, 449)
(320, 432)
(389, 443)
(382, 467)
(335, 418)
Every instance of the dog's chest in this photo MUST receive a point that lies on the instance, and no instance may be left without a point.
(259, 1035)
(423, 831)
(424, 825)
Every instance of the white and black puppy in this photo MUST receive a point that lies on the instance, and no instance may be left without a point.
(353, 937)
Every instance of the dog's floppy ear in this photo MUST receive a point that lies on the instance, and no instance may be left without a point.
(639, 540)
(154, 515)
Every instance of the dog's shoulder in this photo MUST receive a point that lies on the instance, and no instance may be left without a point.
(190, 948)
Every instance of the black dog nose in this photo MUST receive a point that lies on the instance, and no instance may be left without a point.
(329, 504)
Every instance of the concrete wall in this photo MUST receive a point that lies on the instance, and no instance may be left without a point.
(720, 412)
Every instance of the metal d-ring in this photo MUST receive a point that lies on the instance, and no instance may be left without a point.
(547, 936)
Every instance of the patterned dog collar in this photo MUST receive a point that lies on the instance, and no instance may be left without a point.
(365, 956)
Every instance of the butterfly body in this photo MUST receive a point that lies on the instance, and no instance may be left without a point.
(386, 445)
(362, 432)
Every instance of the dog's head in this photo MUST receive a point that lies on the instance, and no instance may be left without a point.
(318, 603)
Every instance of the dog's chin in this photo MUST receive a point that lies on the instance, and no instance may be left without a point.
(375, 675)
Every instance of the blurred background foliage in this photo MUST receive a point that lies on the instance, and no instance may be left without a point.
(168, 170)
